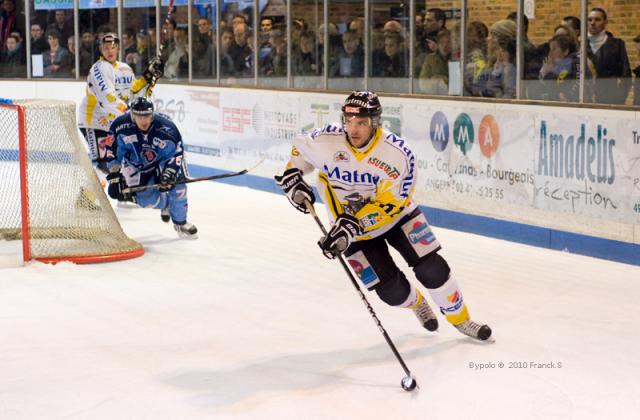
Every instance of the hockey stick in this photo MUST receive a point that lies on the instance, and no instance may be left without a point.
(408, 383)
(167, 21)
(190, 180)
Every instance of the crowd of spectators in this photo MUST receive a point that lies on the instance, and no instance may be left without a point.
(551, 70)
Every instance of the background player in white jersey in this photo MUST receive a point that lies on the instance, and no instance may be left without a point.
(367, 178)
(111, 84)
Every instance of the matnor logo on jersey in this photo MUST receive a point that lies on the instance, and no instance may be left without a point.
(341, 156)
(352, 177)
(421, 234)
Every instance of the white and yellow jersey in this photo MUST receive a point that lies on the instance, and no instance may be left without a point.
(109, 89)
(374, 183)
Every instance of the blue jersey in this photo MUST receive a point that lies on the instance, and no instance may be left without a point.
(143, 156)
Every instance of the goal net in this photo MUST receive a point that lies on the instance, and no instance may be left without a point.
(51, 200)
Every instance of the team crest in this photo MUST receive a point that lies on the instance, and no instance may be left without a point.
(149, 155)
(341, 157)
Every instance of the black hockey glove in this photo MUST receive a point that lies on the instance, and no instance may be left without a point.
(295, 188)
(154, 70)
(116, 185)
(168, 179)
(340, 236)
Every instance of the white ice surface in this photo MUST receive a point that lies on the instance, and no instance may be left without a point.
(250, 321)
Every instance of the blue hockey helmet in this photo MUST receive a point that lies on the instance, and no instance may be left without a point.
(142, 106)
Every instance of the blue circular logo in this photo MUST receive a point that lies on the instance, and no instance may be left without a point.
(439, 131)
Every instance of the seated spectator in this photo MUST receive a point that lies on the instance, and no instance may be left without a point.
(305, 57)
(298, 26)
(86, 52)
(560, 70)
(335, 44)
(434, 75)
(226, 62)
(177, 64)
(477, 33)
(12, 59)
(498, 78)
(57, 60)
(350, 61)
(62, 24)
(392, 60)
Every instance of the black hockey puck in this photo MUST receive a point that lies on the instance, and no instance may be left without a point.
(408, 383)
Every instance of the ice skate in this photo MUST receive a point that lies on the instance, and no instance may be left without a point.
(478, 331)
(425, 315)
(186, 230)
(164, 215)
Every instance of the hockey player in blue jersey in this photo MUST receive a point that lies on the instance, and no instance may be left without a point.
(367, 177)
(144, 148)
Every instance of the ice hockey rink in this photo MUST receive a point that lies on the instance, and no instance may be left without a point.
(250, 321)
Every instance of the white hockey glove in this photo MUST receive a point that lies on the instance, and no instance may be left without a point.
(295, 188)
(340, 236)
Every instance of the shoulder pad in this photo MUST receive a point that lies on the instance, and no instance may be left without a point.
(332, 129)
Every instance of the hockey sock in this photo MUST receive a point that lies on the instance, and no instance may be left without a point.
(413, 300)
(448, 297)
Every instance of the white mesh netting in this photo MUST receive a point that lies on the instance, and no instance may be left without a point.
(69, 214)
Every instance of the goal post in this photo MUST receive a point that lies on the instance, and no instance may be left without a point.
(51, 199)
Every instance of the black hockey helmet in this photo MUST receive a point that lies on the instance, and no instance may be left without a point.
(362, 104)
(110, 38)
(142, 106)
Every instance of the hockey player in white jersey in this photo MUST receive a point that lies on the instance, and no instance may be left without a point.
(367, 177)
(111, 84)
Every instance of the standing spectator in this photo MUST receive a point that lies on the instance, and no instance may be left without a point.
(12, 59)
(240, 51)
(532, 62)
(434, 21)
(203, 50)
(574, 23)
(38, 41)
(636, 72)
(609, 55)
(434, 75)
(86, 51)
(350, 61)
(9, 21)
(129, 45)
(62, 25)
(275, 63)
(57, 60)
